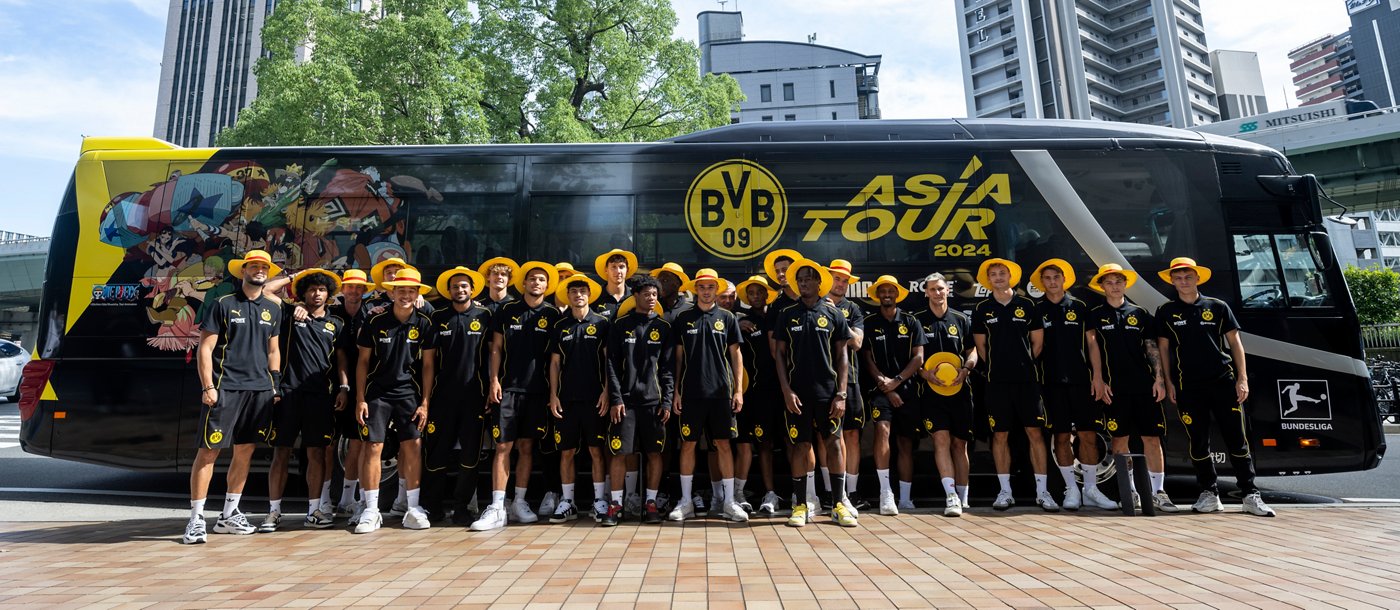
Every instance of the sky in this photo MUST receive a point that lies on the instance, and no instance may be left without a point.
(92, 68)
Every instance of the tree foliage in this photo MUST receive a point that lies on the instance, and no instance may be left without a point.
(1376, 292)
(462, 71)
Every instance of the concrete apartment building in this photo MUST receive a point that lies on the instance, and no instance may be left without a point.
(1239, 85)
(1375, 37)
(1325, 69)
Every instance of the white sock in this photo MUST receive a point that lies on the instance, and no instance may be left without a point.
(948, 486)
(372, 499)
(617, 496)
(962, 492)
(1158, 480)
(347, 491)
(230, 504)
(651, 494)
(884, 476)
(197, 509)
(740, 485)
(1040, 481)
(630, 480)
(1005, 481)
(812, 486)
(826, 479)
(568, 491)
(403, 492)
(717, 492)
(313, 505)
(727, 487)
(412, 497)
(520, 495)
(274, 506)
(1091, 476)
(904, 488)
(1068, 473)
(600, 492)
(325, 498)
(851, 482)
(498, 498)
(687, 481)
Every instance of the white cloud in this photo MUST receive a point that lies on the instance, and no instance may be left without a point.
(1272, 29)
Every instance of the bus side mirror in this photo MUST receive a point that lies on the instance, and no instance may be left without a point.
(1322, 253)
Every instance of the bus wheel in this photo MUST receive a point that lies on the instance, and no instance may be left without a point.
(1106, 466)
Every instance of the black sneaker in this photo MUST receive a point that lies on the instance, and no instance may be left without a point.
(859, 503)
(651, 513)
(613, 516)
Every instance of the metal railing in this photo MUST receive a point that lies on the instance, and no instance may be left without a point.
(1381, 336)
(7, 237)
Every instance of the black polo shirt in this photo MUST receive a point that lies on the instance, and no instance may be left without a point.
(1062, 355)
(244, 328)
(640, 356)
(495, 306)
(1120, 332)
(397, 356)
(683, 304)
(810, 334)
(525, 345)
(758, 359)
(705, 337)
(776, 308)
(606, 305)
(1008, 329)
(950, 333)
(891, 342)
(308, 350)
(383, 299)
(583, 370)
(462, 340)
(1195, 335)
(855, 319)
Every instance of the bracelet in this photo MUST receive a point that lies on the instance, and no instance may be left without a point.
(207, 389)
(344, 388)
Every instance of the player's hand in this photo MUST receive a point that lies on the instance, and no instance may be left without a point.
(618, 412)
(341, 397)
(377, 309)
(838, 409)
(209, 397)
(665, 414)
(676, 404)
(962, 376)
(603, 404)
(1159, 391)
(747, 326)
(420, 416)
(896, 400)
(362, 412)
(1103, 391)
(1241, 390)
(738, 401)
(555, 408)
(885, 384)
(1171, 391)
(300, 314)
(794, 404)
(494, 395)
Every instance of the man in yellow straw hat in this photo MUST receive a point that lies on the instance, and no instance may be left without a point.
(1009, 339)
(354, 284)
(893, 356)
(709, 395)
(759, 420)
(1069, 399)
(578, 396)
(517, 388)
(499, 274)
(456, 426)
(811, 359)
(673, 300)
(239, 363)
(1127, 380)
(614, 267)
(309, 401)
(947, 402)
(856, 416)
(395, 366)
(1203, 357)
(387, 270)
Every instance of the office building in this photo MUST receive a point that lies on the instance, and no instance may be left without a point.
(789, 81)
(1324, 70)
(1239, 86)
(1375, 37)
(1134, 61)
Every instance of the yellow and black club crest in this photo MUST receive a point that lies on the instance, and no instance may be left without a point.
(928, 425)
(1132, 320)
(792, 431)
(330, 326)
(1185, 419)
(364, 430)
(953, 331)
(591, 330)
(1112, 425)
(543, 323)
(822, 322)
(992, 422)
(1207, 315)
(558, 438)
(758, 431)
(495, 432)
(412, 334)
(719, 324)
(875, 413)
(685, 430)
(475, 325)
(1071, 316)
(616, 443)
(431, 428)
(215, 437)
(1020, 313)
(266, 315)
(903, 330)
(655, 335)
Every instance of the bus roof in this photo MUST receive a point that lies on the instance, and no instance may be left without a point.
(933, 129)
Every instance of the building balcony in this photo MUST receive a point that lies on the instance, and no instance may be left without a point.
(1298, 79)
(867, 83)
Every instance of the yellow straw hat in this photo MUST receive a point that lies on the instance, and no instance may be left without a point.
(1182, 262)
(987, 264)
(823, 275)
(1108, 269)
(756, 280)
(672, 268)
(335, 279)
(549, 271)
(630, 303)
(945, 366)
(561, 294)
(485, 267)
(235, 266)
(706, 275)
(478, 282)
(356, 277)
(600, 264)
(408, 277)
(771, 259)
(881, 281)
(1058, 263)
(376, 272)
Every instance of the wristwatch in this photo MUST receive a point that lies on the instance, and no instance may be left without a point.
(841, 395)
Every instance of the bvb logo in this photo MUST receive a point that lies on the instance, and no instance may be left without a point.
(558, 438)
(736, 209)
(364, 430)
(928, 425)
(495, 432)
(1071, 316)
(903, 330)
(1112, 425)
(543, 323)
(875, 413)
(953, 331)
(685, 430)
(215, 437)
(591, 330)
(758, 431)
(330, 326)
(431, 428)
(1185, 419)
(412, 334)
(992, 422)
(266, 315)
(1132, 320)
(1020, 313)
(821, 321)
(475, 325)
(655, 335)
(1207, 315)
(616, 443)
(719, 324)
(792, 431)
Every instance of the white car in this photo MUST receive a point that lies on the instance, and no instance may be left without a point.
(12, 361)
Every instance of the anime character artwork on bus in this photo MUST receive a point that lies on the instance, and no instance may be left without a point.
(183, 230)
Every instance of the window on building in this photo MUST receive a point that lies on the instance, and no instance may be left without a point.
(787, 92)
(768, 117)
(1361, 223)
(1365, 253)
(733, 120)
(765, 93)
(833, 116)
(789, 117)
(832, 84)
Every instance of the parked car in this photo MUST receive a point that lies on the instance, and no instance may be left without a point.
(12, 361)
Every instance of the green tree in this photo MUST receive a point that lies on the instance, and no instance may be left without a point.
(405, 76)
(1376, 292)
(594, 70)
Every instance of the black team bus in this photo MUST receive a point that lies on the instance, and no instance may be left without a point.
(146, 229)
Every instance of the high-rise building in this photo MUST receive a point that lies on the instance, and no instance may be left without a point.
(1375, 37)
(1325, 70)
(1239, 86)
(1135, 61)
(789, 81)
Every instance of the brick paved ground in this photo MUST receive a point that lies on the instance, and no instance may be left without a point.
(1307, 557)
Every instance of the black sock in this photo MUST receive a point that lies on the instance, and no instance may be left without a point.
(838, 486)
(465, 493)
(799, 487)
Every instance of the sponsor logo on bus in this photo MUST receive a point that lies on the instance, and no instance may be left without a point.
(116, 294)
(1304, 404)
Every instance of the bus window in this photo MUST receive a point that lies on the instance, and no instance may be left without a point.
(1142, 199)
(575, 228)
(1258, 272)
(463, 230)
(1305, 282)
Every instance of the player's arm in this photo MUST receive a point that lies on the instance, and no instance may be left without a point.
(1237, 356)
(736, 363)
(1037, 342)
(494, 369)
(361, 380)
(916, 362)
(780, 356)
(1154, 358)
(342, 391)
(555, 407)
(679, 357)
(1096, 385)
(979, 342)
(204, 363)
(274, 365)
(1167, 366)
(429, 373)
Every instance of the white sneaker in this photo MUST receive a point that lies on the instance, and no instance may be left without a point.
(563, 513)
(270, 522)
(683, 510)
(769, 506)
(1137, 501)
(1254, 505)
(520, 512)
(966, 504)
(549, 503)
(344, 510)
(416, 519)
(319, 519)
(1095, 498)
(850, 507)
(236, 523)
(1161, 501)
(600, 509)
(399, 509)
(813, 510)
(888, 507)
(952, 507)
(1047, 502)
(1072, 498)
(491, 518)
(370, 520)
(1208, 503)
(906, 504)
(1004, 500)
(195, 532)
(700, 509)
(744, 500)
(735, 513)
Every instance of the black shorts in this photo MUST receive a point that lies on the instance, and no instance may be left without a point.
(856, 412)
(455, 432)
(640, 430)
(304, 412)
(240, 417)
(811, 418)
(906, 420)
(759, 418)
(1070, 407)
(709, 416)
(345, 424)
(1012, 405)
(581, 425)
(521, 415)
(1134, 414)
(388, 413)
(951, 413)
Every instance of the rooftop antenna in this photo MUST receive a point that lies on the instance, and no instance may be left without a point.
(722, 3)
(811, 38)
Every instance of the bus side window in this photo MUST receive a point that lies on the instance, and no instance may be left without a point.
(1258, 272)
(1304, 281)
